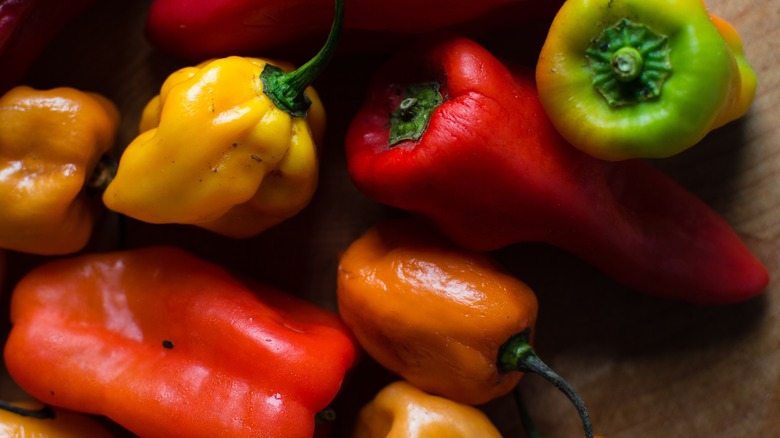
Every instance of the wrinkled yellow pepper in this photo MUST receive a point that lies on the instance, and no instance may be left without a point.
(216, 152)
(51, 142)
(228, 145)
(400, 410)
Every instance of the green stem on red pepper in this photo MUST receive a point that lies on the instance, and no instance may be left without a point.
(410, 120)
(516, 354)
(286, 89)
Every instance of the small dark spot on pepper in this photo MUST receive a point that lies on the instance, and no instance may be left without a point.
(235, 145)
(167, 344)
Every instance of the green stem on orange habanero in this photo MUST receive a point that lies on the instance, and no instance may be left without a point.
(516, 354)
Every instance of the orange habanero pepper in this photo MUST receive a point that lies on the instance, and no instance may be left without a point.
(450, 321)
(401, 410)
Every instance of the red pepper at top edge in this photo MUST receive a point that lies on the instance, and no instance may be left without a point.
(449, 133)
(26, 27)
(201, 29)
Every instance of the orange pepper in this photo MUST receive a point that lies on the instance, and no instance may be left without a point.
(51, 145)
(400, 410)
(450, 321)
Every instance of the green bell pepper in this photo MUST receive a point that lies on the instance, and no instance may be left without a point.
(627, 79)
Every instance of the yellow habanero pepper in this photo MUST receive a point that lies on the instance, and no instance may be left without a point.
(51, 145)
(401, 410)
(228, 145)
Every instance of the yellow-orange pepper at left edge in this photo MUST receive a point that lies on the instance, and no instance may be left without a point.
(51, 142)
(34, 420)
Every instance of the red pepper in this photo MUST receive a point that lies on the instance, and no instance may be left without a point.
(26, 27)
(201, 29)
(486, 166)
(169, 345)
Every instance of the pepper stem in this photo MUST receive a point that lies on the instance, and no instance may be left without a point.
(410, 119)
(629, 63)
(286, 89)
(518, 355)
(102, 175)
(45, 412)
(525, 417)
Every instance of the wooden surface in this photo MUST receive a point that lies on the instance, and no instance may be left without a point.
(646, 367)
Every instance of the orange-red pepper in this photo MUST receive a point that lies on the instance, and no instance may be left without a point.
(169, 345)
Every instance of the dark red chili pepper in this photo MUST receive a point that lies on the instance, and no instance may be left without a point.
(449, 133)
(200, 29)
(26, 27)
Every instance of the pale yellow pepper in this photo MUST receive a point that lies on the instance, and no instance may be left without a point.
(400, 410)
(228, 145)
(51, 143)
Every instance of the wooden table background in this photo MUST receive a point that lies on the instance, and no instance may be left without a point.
(646, 367)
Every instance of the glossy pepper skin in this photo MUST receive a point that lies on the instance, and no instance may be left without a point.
(629, 79)
(449, 321)
(26, 27)
(400, 410)
(52, 143)
(218, 154)
(168, 345)
(490, 170)
(202, 29)
(229, 145)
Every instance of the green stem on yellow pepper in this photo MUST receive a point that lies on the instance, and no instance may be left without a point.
(516, 354)
(286, 89)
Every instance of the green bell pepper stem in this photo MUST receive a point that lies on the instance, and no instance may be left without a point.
(518, 355)
(629, 63)
(410, 119)
(286, 89)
